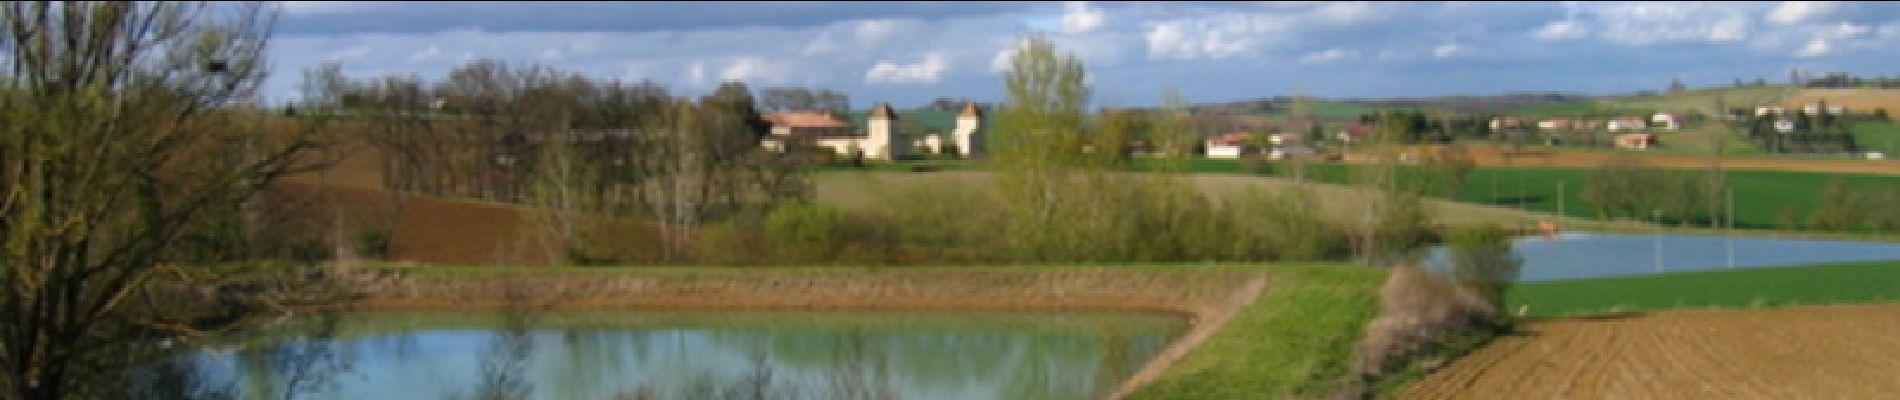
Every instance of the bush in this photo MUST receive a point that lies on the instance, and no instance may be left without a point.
(1283, 226)
(1482, 261)
(372, 243)
(1420, 315)
(811, 233)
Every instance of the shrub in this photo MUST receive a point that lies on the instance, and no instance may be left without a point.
(1419, 314)
(372, 243)
(809, 233)
(1482, 261)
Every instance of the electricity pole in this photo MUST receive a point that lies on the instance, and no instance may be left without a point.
(1659, 259)
(1731, 226)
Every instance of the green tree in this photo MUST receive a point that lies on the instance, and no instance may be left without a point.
(1482, 260)
(1841, 208)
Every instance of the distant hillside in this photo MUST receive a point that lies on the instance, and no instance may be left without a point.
(1540, 104)
(1851, 99)
(1351, 108)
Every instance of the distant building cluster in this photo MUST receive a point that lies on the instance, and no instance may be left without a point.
(881, 135)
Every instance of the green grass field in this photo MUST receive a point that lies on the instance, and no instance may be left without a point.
(1868, 282)
(1763, 199)
(1877, 136)
(1295, 341)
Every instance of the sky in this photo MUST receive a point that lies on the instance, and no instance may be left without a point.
(908, 53)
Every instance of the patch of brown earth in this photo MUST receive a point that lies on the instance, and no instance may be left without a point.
(1847, 351)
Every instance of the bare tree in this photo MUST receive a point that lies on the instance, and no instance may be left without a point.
(120, 132)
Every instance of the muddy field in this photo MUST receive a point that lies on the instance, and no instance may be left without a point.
(1803, 352)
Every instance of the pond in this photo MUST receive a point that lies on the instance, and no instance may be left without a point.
(624, 354)
(1587, 254)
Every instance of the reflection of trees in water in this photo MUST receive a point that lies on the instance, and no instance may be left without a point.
(311, 363)
(304, 363)
(860, 373)
(856, 371)
(505, 363)
(174, 378)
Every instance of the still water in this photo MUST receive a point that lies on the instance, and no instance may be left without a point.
(622, 354)
(1588, 255)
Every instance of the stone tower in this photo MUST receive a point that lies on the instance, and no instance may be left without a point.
(881, 138)
(969, 131)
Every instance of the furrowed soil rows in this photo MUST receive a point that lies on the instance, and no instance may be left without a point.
(1804, 352)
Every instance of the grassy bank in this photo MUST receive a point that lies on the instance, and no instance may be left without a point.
(1295, 341)
(1742, 288)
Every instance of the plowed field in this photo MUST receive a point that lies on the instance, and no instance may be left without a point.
(1838, 352)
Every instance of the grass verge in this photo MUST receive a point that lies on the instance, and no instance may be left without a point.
(1865, 282)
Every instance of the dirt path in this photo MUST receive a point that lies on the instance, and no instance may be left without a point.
(1804, 352)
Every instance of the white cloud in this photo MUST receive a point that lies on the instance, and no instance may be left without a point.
(325, 7)
(1179, 40)
(1793, 12)
(1345, 12)
(1446, 50)
(876, 31)
(426, 54)
(1847, 30)
(1558, 30)
(349, 54)
(1652, 23)
(751, 70)
(1814, 48)
(1326, 56)
(1078, 17)
(1001, 61)
(550, 54)
(929, 70)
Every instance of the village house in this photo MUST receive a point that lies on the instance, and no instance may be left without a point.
(1626, 124)
(1506, 123)
(1635, 141)
(1550, 124)
(1817, 108)
(1228, 146)
(880, 135)
(1666, 121)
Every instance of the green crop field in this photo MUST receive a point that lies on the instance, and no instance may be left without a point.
(1877, 136)
(1869, 282)
(1763, 199)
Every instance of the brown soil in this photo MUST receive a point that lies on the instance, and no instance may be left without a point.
(1805, 352)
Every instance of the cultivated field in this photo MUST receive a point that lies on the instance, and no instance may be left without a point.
(1805, 352)
(1534, 156)
(1338, 203)
(1854, 100)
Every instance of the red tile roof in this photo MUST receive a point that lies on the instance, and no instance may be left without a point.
(1231, 139)
(806, 119)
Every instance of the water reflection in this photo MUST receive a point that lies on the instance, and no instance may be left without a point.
(1590, 255)
(606, 355)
